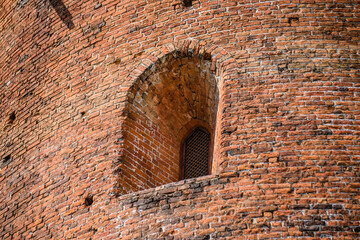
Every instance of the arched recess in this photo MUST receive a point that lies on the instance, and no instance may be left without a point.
(175, 90)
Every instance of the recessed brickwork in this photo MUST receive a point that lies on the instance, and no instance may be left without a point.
(166, 103)
(288, 121)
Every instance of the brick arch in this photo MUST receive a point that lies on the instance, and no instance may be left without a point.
(223, 65)
(175, 88)
(222, 62)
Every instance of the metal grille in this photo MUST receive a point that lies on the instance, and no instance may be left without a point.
(197, 154)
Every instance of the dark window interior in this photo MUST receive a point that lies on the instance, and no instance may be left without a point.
(196, 154)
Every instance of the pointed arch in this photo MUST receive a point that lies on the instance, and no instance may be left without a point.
(174, 89)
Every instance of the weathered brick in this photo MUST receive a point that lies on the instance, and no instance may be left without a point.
(96, 99)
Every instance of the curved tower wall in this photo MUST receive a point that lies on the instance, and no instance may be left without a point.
(286, 153)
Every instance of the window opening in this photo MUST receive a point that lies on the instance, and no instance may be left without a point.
(170, 99)
(187, 3)
(196, 154)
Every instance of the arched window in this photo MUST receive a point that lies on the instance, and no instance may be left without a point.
(168, 101)
(196, 154)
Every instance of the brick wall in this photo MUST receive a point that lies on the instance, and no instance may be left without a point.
(287, 135)
(231, 206)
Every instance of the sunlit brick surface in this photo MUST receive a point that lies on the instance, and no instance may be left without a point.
(287, 129)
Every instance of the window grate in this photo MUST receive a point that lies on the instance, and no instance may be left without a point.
(197, 154)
